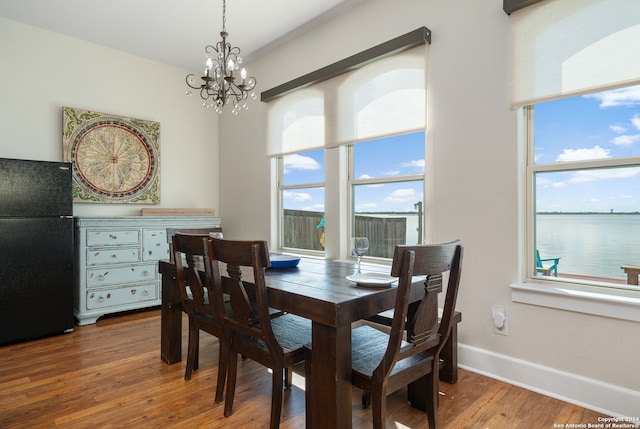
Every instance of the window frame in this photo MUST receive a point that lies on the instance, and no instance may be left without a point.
(281, 189)
(352, 182)
(590, 297)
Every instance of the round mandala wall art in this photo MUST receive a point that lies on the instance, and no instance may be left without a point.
(114, 159)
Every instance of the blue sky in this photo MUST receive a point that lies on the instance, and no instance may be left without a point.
(377, 159)
(597, 126)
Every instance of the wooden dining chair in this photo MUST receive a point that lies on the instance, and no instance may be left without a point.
(384, 362)
(195, 292)
(250, 330)
(205, 230)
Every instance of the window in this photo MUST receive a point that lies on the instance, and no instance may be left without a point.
(582, 158)
(584, 177)
(387, 191)
(350, 152)
(301, 193)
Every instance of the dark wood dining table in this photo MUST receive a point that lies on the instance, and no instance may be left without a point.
(318, 290)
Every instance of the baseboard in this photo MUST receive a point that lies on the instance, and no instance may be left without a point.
(608, 399)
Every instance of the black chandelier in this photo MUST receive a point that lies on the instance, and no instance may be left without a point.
(220, 86)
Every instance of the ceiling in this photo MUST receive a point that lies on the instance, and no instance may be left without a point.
(175, 31)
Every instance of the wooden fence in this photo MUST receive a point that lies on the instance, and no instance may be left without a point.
(383, 233)
(300, 231)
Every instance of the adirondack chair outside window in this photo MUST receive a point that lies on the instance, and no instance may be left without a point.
(543, 266)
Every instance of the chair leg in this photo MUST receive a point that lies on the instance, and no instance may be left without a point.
(192, 351)
(288, 377)
(276, 397)
(231, 382)
(307, 387)
(366, 399)
(432, 398)
(196, 354)
(379, 408)
(223, 362)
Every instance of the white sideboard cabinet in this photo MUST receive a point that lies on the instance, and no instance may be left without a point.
(116, 261)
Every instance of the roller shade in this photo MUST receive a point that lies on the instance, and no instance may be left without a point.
(381, 98)
(562, 48)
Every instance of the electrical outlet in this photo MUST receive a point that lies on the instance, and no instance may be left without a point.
(499, 319)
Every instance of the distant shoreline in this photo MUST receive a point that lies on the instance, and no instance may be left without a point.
(588, 213)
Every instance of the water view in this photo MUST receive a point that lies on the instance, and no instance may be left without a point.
(590, 244)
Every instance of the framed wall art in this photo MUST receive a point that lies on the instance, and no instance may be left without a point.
(114, 159)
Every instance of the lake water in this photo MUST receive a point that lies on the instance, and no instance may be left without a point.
(590, 244)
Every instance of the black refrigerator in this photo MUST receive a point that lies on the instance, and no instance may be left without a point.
(36, 249)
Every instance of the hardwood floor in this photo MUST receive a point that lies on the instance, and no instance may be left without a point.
(109, 375)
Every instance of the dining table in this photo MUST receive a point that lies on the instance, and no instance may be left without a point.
(318, 290)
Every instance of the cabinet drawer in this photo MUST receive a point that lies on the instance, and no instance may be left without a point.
(120, 296)
(112, 237)
(154, 245)
(112, 256)
(97, 277)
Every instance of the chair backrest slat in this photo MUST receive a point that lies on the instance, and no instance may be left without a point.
(424, 332)
(250, 307)
(191, 231)
(188, 254)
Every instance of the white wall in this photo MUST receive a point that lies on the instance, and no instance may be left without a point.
(41, 71)
(585, 359)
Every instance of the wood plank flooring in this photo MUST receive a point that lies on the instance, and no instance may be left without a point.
(109, 375)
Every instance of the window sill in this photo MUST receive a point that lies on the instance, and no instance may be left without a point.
(613, 303)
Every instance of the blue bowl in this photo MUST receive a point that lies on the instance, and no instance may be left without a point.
(284, 261)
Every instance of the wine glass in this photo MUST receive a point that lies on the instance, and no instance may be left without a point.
(359, 246)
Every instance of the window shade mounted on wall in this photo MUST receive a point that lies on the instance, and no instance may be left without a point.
(296, 122)
(564, 48)
(381, 98)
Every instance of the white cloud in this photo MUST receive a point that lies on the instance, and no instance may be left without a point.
(401, 196)
(636, 121)
(417, 164)
(297, 197)
(593, 175)
(299, 162)
(617, 129)
(626, 140)
(365, 176)
(543, 181)
(618, 97)
(583, 176)
(367, 207)
(595, 152)
(314, 208)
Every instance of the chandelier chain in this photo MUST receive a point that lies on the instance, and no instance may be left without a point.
(224, 15)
